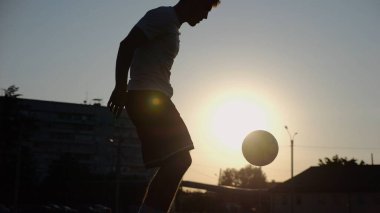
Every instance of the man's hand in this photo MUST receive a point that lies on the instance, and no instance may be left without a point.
(117, 102)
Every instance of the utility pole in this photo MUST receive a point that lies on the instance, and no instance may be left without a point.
(117, 191)
(291, 136)
(117, 171)
(219, 178)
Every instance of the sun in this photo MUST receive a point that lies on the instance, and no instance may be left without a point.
(233, 117)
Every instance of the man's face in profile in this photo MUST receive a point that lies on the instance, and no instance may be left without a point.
(199, 12)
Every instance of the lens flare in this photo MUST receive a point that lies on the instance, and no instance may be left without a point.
(155, 101)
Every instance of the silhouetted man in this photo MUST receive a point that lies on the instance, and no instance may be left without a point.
(149, 51)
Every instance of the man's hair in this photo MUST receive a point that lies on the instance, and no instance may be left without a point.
(212, 3)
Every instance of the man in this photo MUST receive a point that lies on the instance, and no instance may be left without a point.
(149, 51)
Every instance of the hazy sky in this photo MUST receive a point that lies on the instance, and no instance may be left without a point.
(312, 65)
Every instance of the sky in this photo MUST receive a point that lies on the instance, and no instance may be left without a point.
(311, 65)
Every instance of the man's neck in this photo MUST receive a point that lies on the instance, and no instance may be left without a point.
(180, 11)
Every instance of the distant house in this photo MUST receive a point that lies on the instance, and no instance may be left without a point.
(335, 189)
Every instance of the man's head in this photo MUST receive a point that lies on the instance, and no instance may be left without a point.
(194, 11)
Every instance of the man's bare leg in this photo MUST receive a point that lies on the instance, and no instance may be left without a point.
(164, 185)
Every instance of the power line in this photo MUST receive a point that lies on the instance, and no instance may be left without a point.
(203, 174)
(333, 147)
(204, 165)
(337, 147)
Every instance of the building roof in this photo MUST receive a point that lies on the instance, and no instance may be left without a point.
(334, 179)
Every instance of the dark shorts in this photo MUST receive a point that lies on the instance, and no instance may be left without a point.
(159, 126)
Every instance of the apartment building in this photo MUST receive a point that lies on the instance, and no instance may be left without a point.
(88, 132)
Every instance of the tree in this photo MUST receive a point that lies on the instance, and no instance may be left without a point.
(11, 92)
(229, 177)
(247, 177)
(340, 161)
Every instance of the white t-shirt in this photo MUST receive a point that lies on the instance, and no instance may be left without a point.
(152, 62)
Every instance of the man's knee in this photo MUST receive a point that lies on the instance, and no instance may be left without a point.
(181, 161)
(186, 160)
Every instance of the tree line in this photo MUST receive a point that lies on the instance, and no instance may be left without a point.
(254, 178)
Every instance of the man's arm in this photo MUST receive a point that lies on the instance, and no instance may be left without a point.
(127, 47)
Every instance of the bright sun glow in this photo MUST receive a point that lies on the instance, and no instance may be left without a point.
(233, 117)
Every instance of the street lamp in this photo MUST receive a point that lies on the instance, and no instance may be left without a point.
(291, 136)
